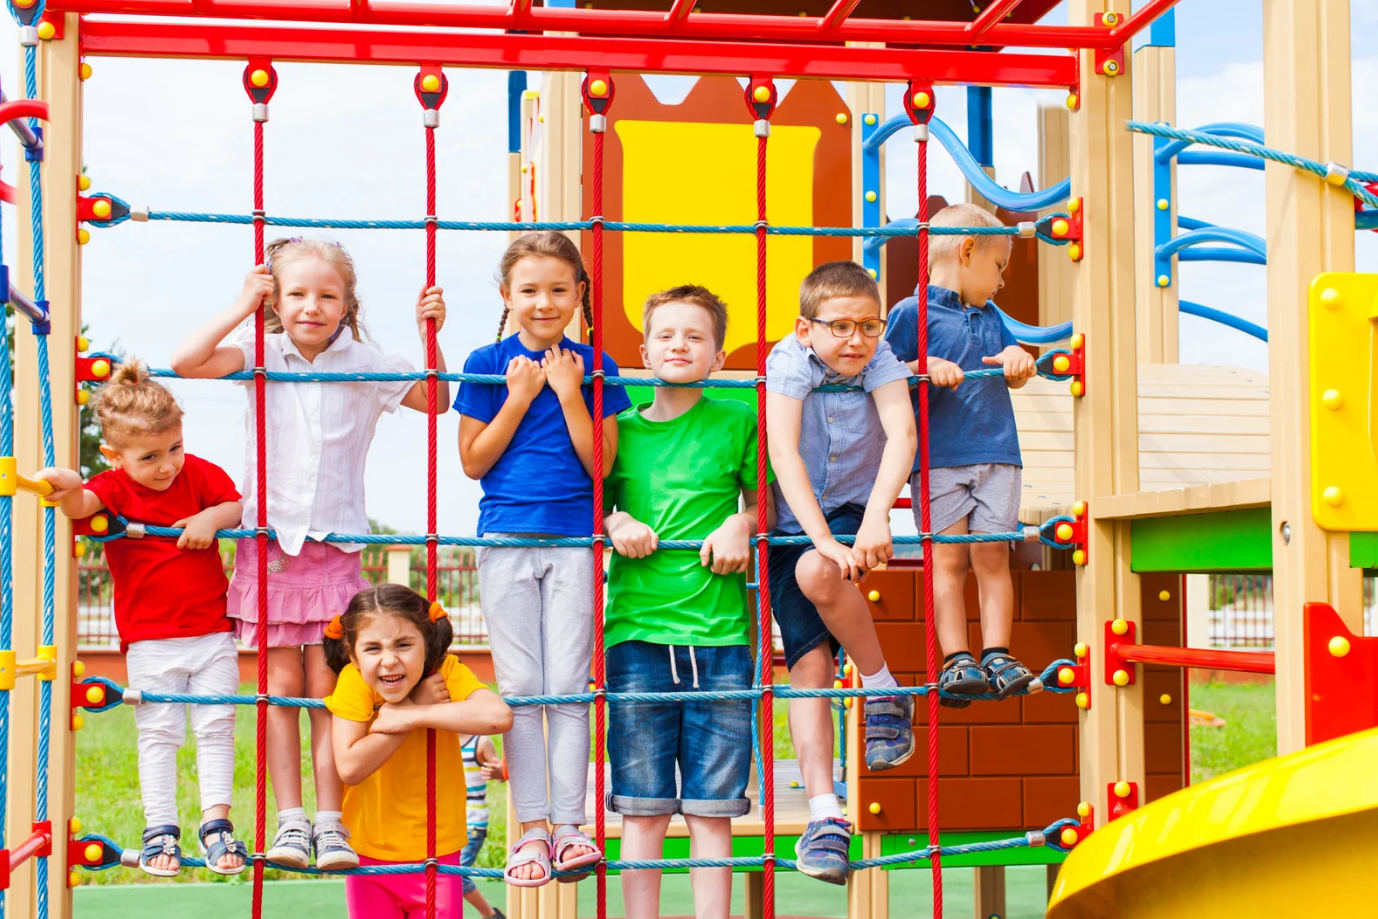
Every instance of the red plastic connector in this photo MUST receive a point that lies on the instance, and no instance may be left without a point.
(89, 695)
(1070, 229)
(79, 857)
(432, 86)
(919, 101)
(597, 91)
(92, 369)
(1077, 676)
(1121, 804)
(1117, 632)
(1108, 63)
(1072, 535)
(761, 97)
(1086, 823)
(1341, 676)
(95, 525)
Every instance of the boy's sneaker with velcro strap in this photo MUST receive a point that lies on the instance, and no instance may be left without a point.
(822, 852)
(889, 731)
(1007, 675)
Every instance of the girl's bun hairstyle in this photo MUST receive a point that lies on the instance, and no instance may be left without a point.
(387, 600)
(545, 244)
(130, 404)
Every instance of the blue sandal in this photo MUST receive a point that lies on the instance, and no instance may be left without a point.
(222, 843)
(161, 840)
(1007, 675)
(963, 677)
(823, 850)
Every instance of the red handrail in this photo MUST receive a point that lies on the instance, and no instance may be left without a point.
(1199, 658)
(30, 847)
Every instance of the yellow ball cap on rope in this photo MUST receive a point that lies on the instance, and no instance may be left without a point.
(598, 89)
(922, 100)
(101, 208)
(1065, 676)
(430, 83)
(1061, 364)
(93, 852)
(1064, 532)
(100, 368)
(259, 78)
(1060, 227)
(1069, 836)
(761, 94)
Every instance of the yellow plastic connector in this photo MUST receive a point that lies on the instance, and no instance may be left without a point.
(9, 669)
(49, 672)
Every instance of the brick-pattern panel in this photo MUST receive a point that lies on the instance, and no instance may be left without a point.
(1161, 599)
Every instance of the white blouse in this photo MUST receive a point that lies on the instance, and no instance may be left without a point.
(318, 437)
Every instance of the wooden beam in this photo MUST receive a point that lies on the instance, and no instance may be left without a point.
(1054, 165)
(1310, 229)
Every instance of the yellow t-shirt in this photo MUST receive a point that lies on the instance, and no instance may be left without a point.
(386, 812)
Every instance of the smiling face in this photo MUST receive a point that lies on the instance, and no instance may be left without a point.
(679, 346)
(311, 303)
(543, 294)
(152, 460)
(982, 262)
(391, 656)
(847, 356)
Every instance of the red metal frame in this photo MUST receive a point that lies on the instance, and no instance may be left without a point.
(1121, 653)
(680, 21)
(105, 38)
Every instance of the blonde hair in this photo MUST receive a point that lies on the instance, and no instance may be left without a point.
(545, 244)
(130, 405)
(282, 252)
(835, 279)
(694, 295)
(960, 215)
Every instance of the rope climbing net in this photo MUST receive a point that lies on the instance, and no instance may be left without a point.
(97, 852)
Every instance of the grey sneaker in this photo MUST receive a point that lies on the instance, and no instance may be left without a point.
(333, 851)
(291, 845)
(889, 731)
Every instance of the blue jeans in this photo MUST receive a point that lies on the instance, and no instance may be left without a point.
(468, 856)
(710, 741)
(801, 628)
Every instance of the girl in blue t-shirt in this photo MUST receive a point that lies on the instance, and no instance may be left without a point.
(530, 444)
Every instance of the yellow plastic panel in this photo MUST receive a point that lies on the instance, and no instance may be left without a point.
(693, 173)
(1344, 401)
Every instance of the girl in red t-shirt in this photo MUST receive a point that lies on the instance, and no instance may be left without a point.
(169, 606)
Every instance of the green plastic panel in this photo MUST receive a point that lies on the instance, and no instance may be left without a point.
(1196, 543)
(1363, 550)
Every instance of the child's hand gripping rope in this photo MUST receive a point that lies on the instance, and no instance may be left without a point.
(1019, 365)
(430, 304)
(727, 550)
(564, 371)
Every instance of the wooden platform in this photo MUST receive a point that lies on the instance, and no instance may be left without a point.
(1198, 426)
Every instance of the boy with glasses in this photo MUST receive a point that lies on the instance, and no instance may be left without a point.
(840, 460)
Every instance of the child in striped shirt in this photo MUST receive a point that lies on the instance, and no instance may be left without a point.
(481, 766)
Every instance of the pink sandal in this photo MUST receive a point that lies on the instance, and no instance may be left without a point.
(574, 838)
(519, 856)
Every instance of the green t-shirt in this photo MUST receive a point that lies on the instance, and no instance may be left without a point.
(682, 478)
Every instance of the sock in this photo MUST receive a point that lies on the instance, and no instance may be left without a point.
(289, 814)
(986, 652)
(881, 679)
(329, 818)
(824, 806)
(953, 656)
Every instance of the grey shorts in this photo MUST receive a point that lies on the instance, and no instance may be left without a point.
(985, 495)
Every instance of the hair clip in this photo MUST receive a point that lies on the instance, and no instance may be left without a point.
(334, 629)
(437, 611)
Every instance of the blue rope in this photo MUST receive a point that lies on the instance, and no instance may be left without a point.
(1351, 183)
(1046, 839)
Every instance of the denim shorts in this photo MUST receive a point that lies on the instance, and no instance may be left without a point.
(801, 628)
(468, 856)
(709, 741)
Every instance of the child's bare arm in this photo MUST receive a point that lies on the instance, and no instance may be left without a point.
(565, 371)
(198, 530)
(482, 443)
(72, 498)
(488, 759)
(481, 713)
(430, 304)
(630, 537)
(359, 753)
(873, 542)
(202, 355)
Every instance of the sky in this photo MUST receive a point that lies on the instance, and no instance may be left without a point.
(347, 141)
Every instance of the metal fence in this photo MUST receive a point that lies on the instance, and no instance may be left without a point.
(457, 589)
(1241, 610)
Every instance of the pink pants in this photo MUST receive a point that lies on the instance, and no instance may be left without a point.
(399, 896)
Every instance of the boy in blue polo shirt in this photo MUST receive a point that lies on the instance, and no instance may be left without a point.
(975, 467)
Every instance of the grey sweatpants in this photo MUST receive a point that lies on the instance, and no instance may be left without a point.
(538, 604)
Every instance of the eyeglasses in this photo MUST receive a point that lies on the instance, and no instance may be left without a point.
(843, 328)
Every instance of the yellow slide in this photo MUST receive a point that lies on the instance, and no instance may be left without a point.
(1293, 837)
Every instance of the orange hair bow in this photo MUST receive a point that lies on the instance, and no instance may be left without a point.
(437, 611)
(334, 629)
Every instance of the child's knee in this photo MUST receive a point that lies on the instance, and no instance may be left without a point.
(818, 578)
(990, 558)
(813, 670)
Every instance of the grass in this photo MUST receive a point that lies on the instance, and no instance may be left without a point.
(1250, 732)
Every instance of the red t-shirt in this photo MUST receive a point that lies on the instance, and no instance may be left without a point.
(162, 591)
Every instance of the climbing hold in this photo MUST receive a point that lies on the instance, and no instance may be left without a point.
(1164, 595)
(597, 89)
(1332, 399)
(1121, 678)
(1064, 532)
(1078, 557)
(761, 94)
(101, 208)
(1122, 789)
(259, 78)
(1065, 676)
(1164, 280)
(1339, 646)
(1333, 496)
(1069, 836)
(1162, 204)
(85, 71)
(842, 118)
(1330, 298)
(1119, 626)
(1083, 810)
(871, 196)
(1083, 700)
(1060, 227)
(1081, 650)
(874, 807)
(1165, 699)
(873, 596)
(46, 30)
(100, 368)
(83, 237)
(847, 669)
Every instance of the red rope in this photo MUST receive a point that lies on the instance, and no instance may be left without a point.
(261, 542)
(600, 727)
(926, 524)
(762, 550)
(431, 516)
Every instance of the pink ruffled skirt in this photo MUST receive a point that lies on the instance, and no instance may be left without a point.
(304, 591)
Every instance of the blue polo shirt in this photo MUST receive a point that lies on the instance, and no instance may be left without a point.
(538, 485)
(975, 422)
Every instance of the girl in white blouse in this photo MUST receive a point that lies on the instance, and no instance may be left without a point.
(318, 435)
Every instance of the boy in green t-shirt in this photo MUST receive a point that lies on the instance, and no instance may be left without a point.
(676, 621)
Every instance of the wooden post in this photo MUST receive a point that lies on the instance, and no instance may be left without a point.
(973, 196)
(990, 892)
(1310, 229)
(753, 895)
(1054, 165)
(1106, 418)
(1154, 74)
(60, 85)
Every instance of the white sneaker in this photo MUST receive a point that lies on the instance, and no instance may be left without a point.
(333, 851)
(291, 845)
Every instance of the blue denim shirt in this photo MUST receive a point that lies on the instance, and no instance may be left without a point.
(840, 437)
(975, 422)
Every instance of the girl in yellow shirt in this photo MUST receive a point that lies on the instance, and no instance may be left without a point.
(396, 679)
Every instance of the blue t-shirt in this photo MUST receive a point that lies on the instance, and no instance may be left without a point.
(538, 484)
(975, 422)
